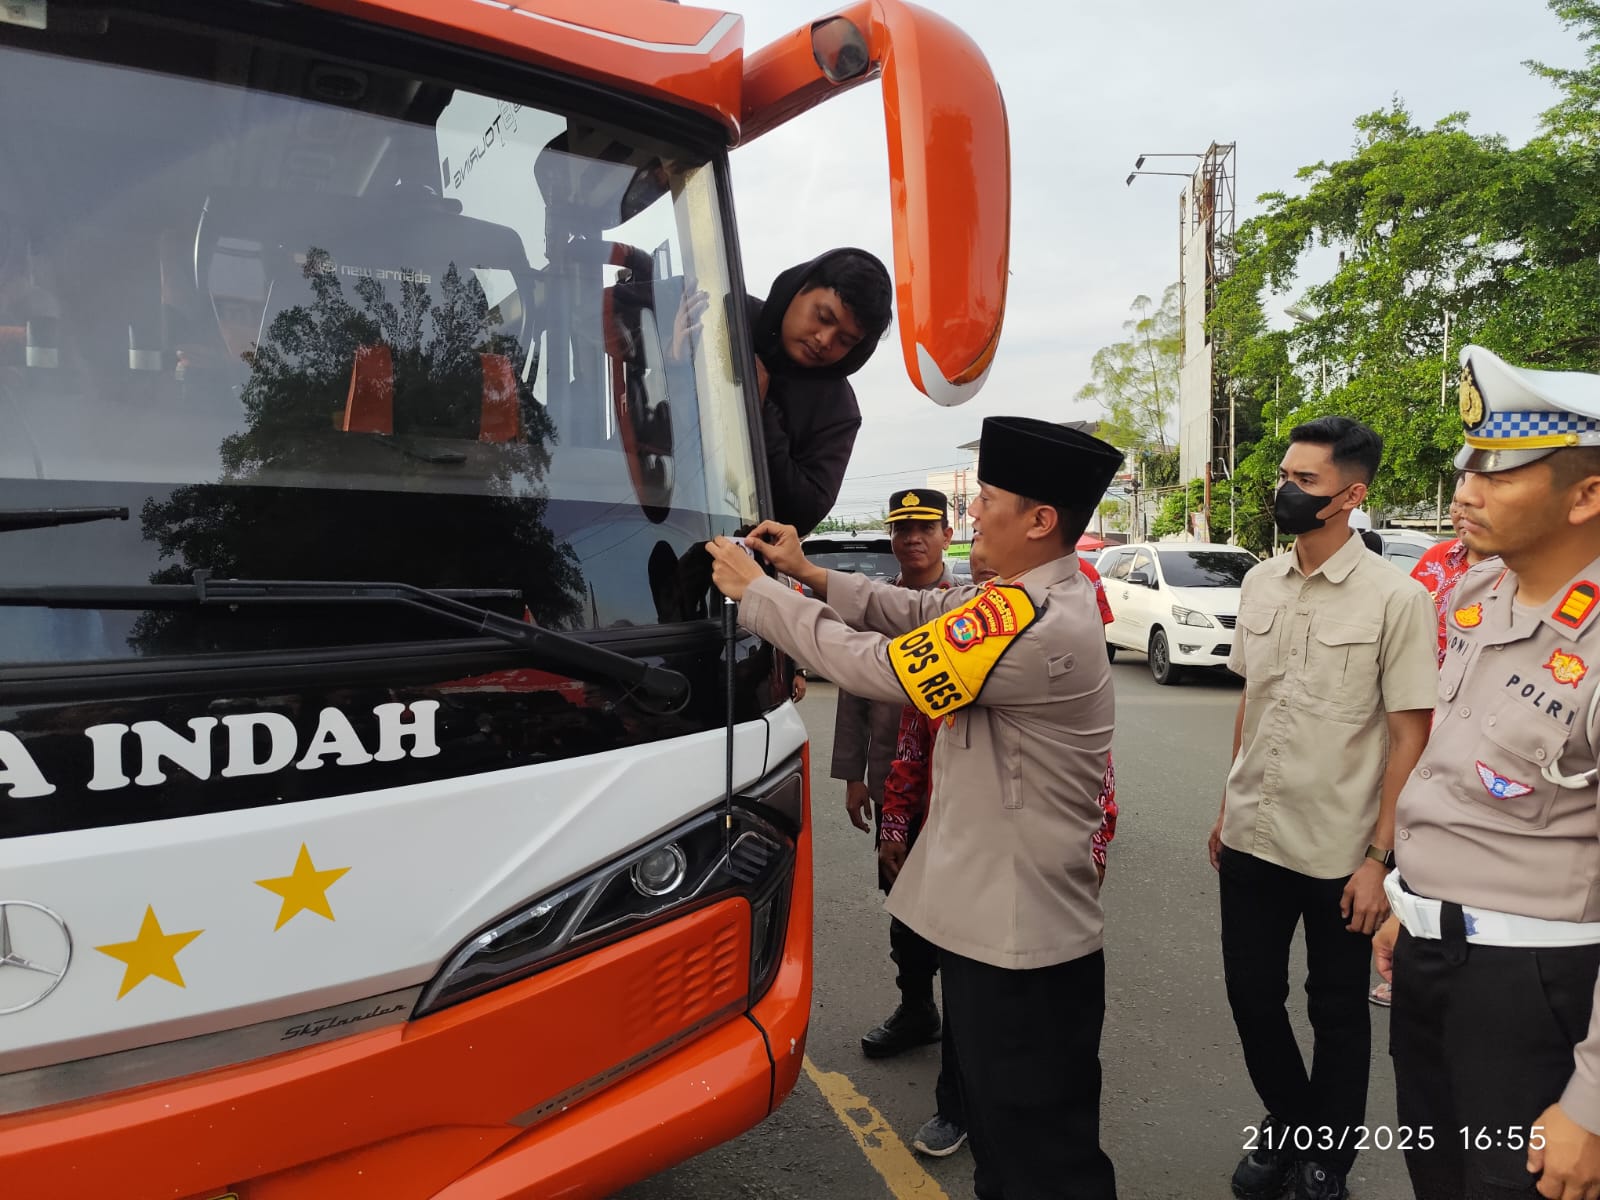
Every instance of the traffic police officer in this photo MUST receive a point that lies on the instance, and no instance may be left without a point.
(1001, 879)
(1496, 1058)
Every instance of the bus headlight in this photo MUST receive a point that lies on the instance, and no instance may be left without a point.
(660, 871)
(747, 851)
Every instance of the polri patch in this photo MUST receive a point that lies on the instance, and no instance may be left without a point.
(1470, 617)
(1566, 667)
(1499, 786)
(943, 664)
(990, 613)
(1577, 604)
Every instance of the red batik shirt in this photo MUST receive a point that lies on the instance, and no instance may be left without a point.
(1439, 570)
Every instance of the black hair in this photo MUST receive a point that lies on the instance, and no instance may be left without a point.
(1070, 523)
(1352, 442)
(862, 282)
(1572, 463)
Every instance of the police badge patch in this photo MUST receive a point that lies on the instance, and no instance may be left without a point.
(1471, 402)
(1499, 786)
(978, 632)
(1566, 667)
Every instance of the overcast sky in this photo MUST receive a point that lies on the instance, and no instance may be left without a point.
(1090, 84)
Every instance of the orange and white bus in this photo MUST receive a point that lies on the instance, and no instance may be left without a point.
(385, 811)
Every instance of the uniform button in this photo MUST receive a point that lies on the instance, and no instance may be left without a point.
(1465, 711)
(1283, 704)
(1490, 721)
(1539, 753)
(1405, 835)
(1274, 752)
(1425, 773)
(1295, 652)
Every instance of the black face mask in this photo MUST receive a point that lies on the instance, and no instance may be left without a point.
(1294, 510)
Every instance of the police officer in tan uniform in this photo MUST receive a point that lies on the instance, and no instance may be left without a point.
(1497, 893)
(864, 736)
(1002, 878)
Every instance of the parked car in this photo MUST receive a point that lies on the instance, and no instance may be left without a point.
(867, 552)
(1175, 601)
(1403, 547)
(960, 570)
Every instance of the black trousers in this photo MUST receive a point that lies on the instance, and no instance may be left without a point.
(1262, 903)
(1027, 1046)
(1482, 1037)
(918, 961)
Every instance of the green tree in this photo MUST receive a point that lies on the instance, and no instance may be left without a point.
(1430, 222)
(1135, 381)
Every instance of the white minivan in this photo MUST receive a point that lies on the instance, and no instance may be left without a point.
(1175, 601)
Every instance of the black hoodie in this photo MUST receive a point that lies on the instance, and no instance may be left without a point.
(809, 417)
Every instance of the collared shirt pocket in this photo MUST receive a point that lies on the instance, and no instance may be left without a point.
(1342, 670)
(1262, 638)
(1507, 777)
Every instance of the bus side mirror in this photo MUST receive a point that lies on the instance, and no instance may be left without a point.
(949, 169)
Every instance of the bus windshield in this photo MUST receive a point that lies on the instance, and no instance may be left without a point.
(272, 317)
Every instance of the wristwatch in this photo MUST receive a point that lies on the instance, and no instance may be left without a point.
(1386, 857)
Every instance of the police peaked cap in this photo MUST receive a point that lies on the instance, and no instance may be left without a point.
(1043, 461)
(919, 504)
(1512, 416)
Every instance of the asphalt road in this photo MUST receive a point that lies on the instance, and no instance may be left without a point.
(1176, 1096)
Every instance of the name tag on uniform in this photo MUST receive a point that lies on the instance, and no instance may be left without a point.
(943, 665)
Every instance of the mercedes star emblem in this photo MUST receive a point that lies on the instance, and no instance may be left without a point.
(35, 949)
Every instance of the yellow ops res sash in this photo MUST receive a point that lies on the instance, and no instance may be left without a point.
(943, 665)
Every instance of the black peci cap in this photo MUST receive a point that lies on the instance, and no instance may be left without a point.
(918, 504)
(1046, 462)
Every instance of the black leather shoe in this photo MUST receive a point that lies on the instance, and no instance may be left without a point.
(1264, 1173)
(913, 1023)
(1317, 1182)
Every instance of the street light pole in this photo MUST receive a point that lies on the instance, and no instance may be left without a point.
(1444, 392)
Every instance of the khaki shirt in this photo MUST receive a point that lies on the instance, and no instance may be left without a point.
(1325, 657)
(1478, 822)
(865, 731)
(1002, 872)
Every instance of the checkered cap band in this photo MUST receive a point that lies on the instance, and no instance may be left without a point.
(1533, 424)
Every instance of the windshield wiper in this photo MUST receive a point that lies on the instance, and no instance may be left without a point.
(558, 649)
(43, 518)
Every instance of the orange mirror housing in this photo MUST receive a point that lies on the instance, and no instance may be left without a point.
(949, 170)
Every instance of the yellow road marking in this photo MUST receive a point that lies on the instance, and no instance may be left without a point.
(885, 1151)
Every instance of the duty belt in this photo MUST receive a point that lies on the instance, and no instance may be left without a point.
(1421, 917)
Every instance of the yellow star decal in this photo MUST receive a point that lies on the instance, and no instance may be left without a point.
(304, 890)
(153, 952)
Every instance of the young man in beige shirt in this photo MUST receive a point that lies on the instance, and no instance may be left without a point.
(1337, 650)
